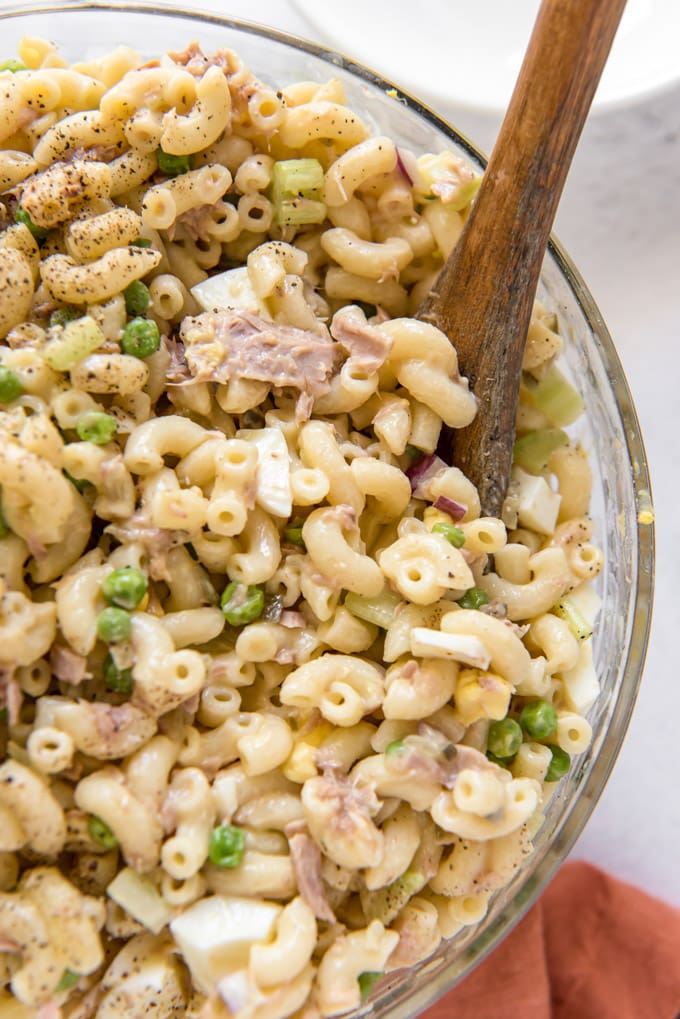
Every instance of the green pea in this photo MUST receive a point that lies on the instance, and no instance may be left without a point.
(242, 604)
(172, 165)
(474, 598)
(227, 845)
(62, 316)
(10, 385)
(454, 535)
(97, 427)
(397, 746)
(113, 625)
(69, 979)
(538, 719)
(559, 765)
(101, 833)
(504, 738)
(21, 216)
(136, 296)
(117, 680)
(497, 760)
(367, 982)
(141, 338)
(293, 532)
(125, 587)
(13, 66)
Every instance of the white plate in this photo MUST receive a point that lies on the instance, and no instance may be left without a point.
(468, 52)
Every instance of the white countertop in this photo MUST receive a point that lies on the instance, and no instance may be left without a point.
(620, 221)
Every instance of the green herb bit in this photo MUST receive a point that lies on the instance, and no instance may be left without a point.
(533, 450)
(10, 385)
(4, 528)
(69, 313)
(412, 452)
(574, 618)
(367, 982)
(101, 833)
(171, 165)
(140, 242)
(136, 296)
(3, 715)
(141, 337)
(559, 765)
(454, 535)
(117, 680)
(21, 216)
(97, 427)
(538, 719)
(241, 604)
(293, 532)
(113, 625)
(504, 738)
(227, 845)
(125, 587)
(13, 66)
(69, 979)
(473, 598)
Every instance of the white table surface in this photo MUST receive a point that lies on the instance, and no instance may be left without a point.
(620, 221)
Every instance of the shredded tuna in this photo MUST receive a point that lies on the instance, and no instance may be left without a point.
(306, 859)
(68, 666)
(48, 1010)
(292, 620)
(495, 608)
(178, 369)
(195, 222)
(367, 347)
(197, 63)
(120, 728)
(157, 542)
(238, 344)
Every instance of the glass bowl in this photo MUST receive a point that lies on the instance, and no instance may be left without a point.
(621, 496)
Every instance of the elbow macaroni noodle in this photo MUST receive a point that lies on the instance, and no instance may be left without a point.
(282, 729)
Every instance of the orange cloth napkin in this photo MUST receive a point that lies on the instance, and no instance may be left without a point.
(591, 948)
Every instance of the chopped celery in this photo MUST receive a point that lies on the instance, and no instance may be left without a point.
(532, 451)
(574, 618)
(139, 897)
(367, 980)
(70, 346)
(384, 903)
(554, 397)
(296, 191)
(378, 610)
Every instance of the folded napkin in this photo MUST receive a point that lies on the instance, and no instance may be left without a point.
(591, 948)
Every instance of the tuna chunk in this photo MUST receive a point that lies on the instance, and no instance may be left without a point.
(367, 347)
(238, 344)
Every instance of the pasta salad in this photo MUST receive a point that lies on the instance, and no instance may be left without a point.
(281, 706)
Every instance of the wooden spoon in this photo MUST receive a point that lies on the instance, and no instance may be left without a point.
(484, 294)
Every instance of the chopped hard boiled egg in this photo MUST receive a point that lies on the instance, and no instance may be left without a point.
(272, 483)
(215, 935)
(538, 504)
(230, 289)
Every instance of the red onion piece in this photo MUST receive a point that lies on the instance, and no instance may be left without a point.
(422, 472)
(402, 160)
(456, 510)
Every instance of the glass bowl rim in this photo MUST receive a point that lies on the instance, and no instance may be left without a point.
(583, 801)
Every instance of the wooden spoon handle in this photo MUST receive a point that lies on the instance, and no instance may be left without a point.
(484, 295)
